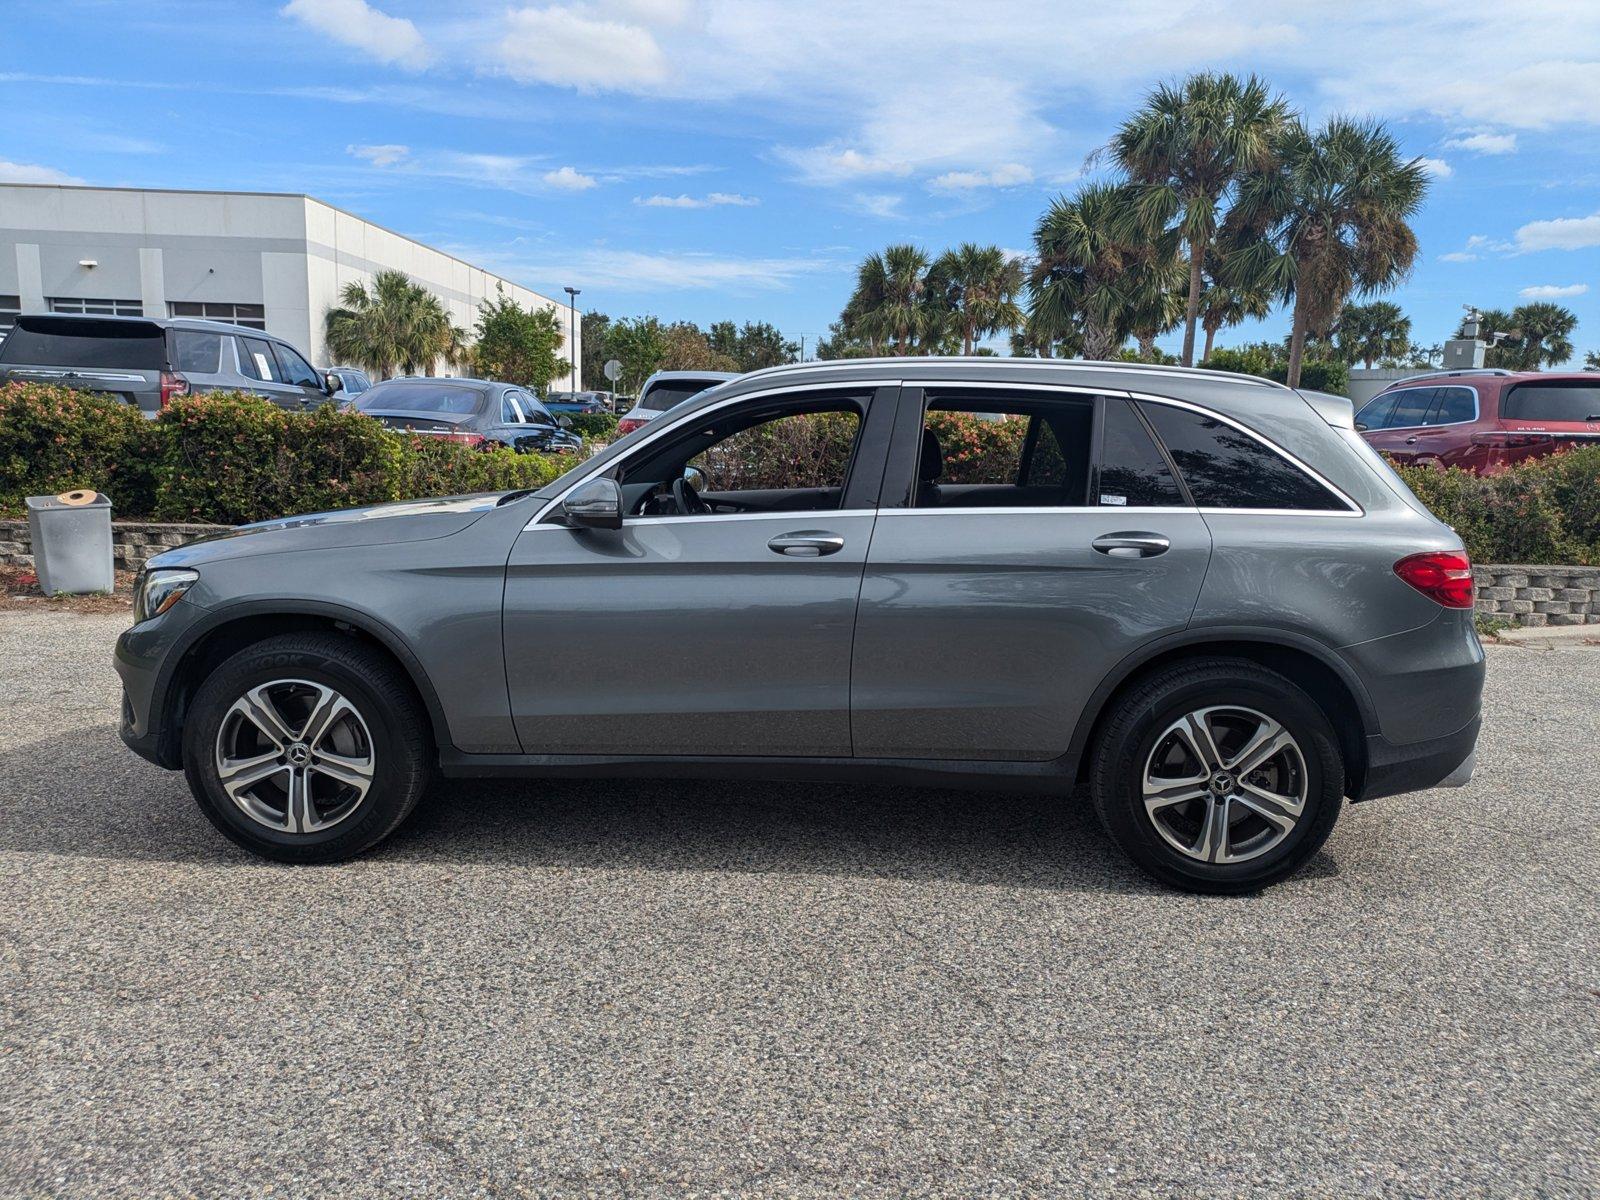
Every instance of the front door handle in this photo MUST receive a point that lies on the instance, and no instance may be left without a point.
(1411, 441)
(806, 543)
(1134, 544)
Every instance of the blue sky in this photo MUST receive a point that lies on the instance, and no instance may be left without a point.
(708, 159)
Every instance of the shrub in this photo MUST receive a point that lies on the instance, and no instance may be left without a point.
(599, 427)
(434, 467)
(1510, 517)
(1316, 374)
(55, 439)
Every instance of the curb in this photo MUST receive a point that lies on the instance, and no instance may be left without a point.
(1538, 635)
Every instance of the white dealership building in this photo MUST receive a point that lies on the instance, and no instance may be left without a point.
(267, 260)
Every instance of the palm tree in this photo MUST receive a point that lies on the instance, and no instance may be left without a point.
(1226, 304)
(1591, 361)
(1529, 338)
(1185, 152)
(1092, 272)
(887, 307)
(981, 283)
(1329, 218)
(397, 324)
(1368, 333)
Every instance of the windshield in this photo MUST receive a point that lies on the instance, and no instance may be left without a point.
(450, 399)
(128, 345)
(673, 392)
(1575, 401)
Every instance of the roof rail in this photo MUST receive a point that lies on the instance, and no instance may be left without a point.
(1006, 360)
(1451, 374)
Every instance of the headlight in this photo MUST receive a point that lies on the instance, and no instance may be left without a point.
(156, 591)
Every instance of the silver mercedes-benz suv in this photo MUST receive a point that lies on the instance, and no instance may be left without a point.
(1202, 596)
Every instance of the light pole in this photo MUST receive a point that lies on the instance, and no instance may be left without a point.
(572, 332)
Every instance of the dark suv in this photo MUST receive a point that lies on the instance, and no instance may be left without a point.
(1481, 421)
(146, 362)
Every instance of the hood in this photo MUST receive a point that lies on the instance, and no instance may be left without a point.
(405, 521)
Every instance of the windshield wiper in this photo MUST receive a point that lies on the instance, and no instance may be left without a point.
(513, 497)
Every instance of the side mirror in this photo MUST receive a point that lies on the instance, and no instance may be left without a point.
(695, 478)
(596, 504)
(564, 421)
(1360, 428)
(333, 383)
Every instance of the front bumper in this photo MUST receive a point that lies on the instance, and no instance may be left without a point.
(145, 655)
(1415, 766)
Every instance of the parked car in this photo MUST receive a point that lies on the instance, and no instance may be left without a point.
(145, 362)
(1483, 420)
(666, 390)
(353, 381)
(574, 402)
(1204, 596)
(474, 411)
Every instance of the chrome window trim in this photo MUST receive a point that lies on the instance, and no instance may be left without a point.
(664, 423)
(1354, 510)
(1039, 510)
(1477, 406)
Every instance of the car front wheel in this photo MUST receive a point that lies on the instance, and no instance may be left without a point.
(1218, 776)
(306, 748)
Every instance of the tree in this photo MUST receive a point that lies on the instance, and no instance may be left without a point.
(594, 327)
(689, 350)
(640, 345)
(1224, 305)
(1185, 152)
(980, 285)
(516, 345)
(1093, 276)
(1591, 361)
(889, 307)
(1330, 217)
(1368, 333)
(396, 324)
(758, 344)
(1529, 338)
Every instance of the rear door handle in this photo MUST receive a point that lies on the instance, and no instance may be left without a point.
(1411, 441)
(806, 543)
(1132, 544)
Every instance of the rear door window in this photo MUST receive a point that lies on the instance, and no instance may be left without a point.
(1558, 402)
(1133, 471)
(1411, 408)
(1454, 406)
(1224, 467)
(256, 361)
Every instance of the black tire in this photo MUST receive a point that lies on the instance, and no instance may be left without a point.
(1139, 718)
(400, 745)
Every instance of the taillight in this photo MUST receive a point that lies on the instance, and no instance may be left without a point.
(628, 425)
(1443, 576)
(172, 384)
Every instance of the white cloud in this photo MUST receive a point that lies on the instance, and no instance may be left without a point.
(566, 179)
(837, 164)
(1550, 291)
(15, 172)
(1005, 175)
(712, 200)
(385, 155)
(567, 46)
(634, 272)
(1562, 233)
(1458, 256)
(356, 23)
(1483, 142)
(1437, 167)
(880, 204)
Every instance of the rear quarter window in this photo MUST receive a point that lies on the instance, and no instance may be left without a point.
(1224, 467)
(1555, 401)
(193, 350)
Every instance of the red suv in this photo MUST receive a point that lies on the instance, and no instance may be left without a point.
(1481, 420)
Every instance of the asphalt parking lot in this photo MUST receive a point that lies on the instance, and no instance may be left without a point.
(674, 989)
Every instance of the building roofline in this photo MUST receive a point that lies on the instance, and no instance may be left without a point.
(307, 196)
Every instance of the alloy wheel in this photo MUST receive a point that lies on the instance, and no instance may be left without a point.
(295, 756)
(1224, 784)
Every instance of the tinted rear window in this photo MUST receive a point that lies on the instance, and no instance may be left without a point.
(1132, 471)
(1227, 468)
(99, 344)
(1552, 402)
(451, 399)
(669, 395)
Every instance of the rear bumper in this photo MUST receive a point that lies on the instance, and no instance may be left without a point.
(1415, 766)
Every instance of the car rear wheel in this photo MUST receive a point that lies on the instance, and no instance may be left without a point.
(306, 748)
(1218, 776)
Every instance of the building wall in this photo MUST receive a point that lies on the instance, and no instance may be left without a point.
(292, 254)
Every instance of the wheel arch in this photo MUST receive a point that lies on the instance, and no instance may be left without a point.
(1326, 678)
(233, 628)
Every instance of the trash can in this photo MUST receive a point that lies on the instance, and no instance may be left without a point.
(71, 535)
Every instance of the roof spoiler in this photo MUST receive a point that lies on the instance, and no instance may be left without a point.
(1338, 411)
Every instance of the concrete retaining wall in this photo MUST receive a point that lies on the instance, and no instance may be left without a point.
(1539, 595)
(131, 541)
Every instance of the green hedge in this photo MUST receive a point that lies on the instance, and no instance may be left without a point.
(1543, 511)
(597, 427)
(230, 458)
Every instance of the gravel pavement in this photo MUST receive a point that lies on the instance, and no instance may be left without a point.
(671, 989)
